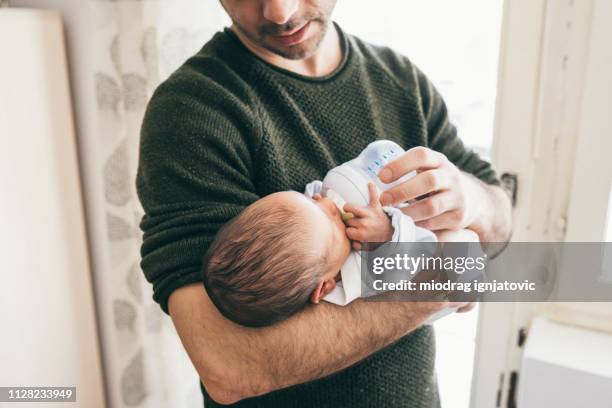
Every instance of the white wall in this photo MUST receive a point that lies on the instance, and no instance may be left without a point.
(49, 335)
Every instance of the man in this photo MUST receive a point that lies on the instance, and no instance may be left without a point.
(268, 105)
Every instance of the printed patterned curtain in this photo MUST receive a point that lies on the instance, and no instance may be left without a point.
(137, 43)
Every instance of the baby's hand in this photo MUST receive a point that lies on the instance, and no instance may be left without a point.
(370, 224)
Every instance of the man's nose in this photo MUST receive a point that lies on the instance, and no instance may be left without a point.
(280, 11)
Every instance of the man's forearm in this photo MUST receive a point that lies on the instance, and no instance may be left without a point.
(235, 362)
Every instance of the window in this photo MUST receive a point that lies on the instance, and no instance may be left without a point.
(456, 44)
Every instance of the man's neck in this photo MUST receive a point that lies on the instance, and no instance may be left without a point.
(323, 62)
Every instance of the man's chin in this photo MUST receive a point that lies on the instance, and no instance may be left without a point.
(300, 51)
(303, 50)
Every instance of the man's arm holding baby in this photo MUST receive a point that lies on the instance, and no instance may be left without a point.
(235, 362)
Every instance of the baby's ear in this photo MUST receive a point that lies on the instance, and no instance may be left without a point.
(322, 289)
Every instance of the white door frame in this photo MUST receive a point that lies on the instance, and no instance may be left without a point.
(547, 47)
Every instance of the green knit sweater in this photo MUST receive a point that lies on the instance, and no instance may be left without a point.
(227, 128)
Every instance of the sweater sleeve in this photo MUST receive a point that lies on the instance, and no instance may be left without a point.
(442, 134)
(194, 174)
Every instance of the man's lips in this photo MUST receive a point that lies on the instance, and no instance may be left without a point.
(294, 37)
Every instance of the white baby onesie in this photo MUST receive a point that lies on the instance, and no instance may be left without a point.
(350, 287)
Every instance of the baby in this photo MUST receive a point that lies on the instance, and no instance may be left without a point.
(288, 249)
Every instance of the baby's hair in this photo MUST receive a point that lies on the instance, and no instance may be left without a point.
(261, 267)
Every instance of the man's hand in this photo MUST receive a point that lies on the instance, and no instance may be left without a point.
(371, 223)
(449, 199)
(451, 202)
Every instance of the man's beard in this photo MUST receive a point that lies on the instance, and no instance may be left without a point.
(318, 28)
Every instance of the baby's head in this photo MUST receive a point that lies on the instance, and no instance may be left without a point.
(281, 252)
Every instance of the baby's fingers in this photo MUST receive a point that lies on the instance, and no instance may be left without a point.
(356, 210)
(355, 223)
(354, 234)
(374, 202)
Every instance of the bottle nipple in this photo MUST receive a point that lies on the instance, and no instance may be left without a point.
(339, 202)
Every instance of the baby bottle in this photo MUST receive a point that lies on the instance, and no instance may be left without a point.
(349, 181)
